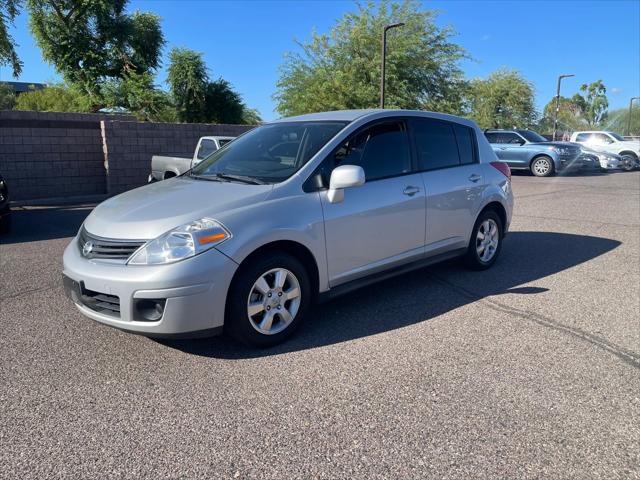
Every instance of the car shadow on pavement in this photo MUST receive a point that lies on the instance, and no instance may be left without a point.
(422, 295)
(31, 224)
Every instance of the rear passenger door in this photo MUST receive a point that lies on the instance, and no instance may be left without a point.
(447, 156)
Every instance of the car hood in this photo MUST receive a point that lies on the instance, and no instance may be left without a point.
(149, 211)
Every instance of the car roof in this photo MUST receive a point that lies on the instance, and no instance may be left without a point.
(336, 115)
(352, 115)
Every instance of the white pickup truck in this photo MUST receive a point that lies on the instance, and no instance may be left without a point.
(167, 167)
(611, 142)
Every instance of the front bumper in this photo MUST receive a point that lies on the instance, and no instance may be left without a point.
(193, 292)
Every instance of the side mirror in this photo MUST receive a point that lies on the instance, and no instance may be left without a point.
(343, 177)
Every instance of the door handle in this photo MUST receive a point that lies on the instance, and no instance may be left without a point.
(411, 190)
(474, 178)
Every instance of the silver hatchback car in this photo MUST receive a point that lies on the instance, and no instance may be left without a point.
(295, 211)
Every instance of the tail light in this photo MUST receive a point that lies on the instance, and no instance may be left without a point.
(503, 168)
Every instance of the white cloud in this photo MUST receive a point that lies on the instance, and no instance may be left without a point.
(616, 90)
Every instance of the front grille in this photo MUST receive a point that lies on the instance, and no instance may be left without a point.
(101, 302)
(92, 246)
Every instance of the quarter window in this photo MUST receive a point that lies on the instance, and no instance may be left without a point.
(582, 137)
(466, 144)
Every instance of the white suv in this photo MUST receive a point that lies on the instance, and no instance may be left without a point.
(611, 142)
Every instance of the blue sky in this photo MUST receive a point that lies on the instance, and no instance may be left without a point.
(244, 41)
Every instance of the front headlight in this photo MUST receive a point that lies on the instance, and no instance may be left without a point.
(182, 242)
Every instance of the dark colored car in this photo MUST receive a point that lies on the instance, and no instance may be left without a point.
(5, 217)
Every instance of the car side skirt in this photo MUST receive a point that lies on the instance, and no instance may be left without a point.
(348, 287)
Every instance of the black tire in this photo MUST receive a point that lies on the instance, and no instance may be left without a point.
(237, 322)
(628, 162)
(540, 161)
(472, 259)
(5, 224)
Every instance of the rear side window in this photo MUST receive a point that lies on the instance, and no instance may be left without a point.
(381, 150)
(582, 137)
(504, 137)
(466, 144)
(435, 144)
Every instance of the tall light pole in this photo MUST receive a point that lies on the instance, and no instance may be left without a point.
(384, 58)
(629, 119)
(555, 118)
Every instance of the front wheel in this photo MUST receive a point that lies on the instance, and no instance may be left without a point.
(268, 300)
(542, 166)
(486, 241)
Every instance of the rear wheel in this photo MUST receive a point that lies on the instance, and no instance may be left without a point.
(542, 166)
(268, 300)
(486, 241)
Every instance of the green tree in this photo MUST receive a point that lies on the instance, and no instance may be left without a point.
(251, 116)
(188, 79)
(341, 69)
(504, 100)
(138, 94)
(7, 97)
(9, 10)
(92, 41)
(595, 103)
(223, 104)
(54, 98)
(617, 121)
(570, 115)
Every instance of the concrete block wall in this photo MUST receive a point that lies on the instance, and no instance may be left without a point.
(48, 155)
(129, 147)
(52, 155)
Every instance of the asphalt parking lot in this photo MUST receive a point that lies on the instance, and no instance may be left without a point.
(528, 370)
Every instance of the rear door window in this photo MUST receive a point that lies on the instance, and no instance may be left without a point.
(436, 144)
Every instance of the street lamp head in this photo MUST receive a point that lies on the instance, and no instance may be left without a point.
(394, 25)
(567, 75)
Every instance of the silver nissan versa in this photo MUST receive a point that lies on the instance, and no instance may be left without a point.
(295, 211)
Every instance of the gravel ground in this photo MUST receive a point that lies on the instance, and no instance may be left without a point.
(528, 370)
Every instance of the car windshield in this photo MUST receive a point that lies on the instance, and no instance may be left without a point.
(616, 136)
(532, 136)
(269, 153)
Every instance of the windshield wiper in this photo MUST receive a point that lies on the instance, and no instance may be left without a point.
(240, 178)
(200, 177)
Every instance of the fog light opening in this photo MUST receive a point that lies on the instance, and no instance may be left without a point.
(150, 310)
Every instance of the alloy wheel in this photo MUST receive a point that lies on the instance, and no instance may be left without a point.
(542, 166)
(487, 240)
(273, 301)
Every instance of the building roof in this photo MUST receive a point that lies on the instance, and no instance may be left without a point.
(22, 87)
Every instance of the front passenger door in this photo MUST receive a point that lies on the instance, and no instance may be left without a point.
(381, 223)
